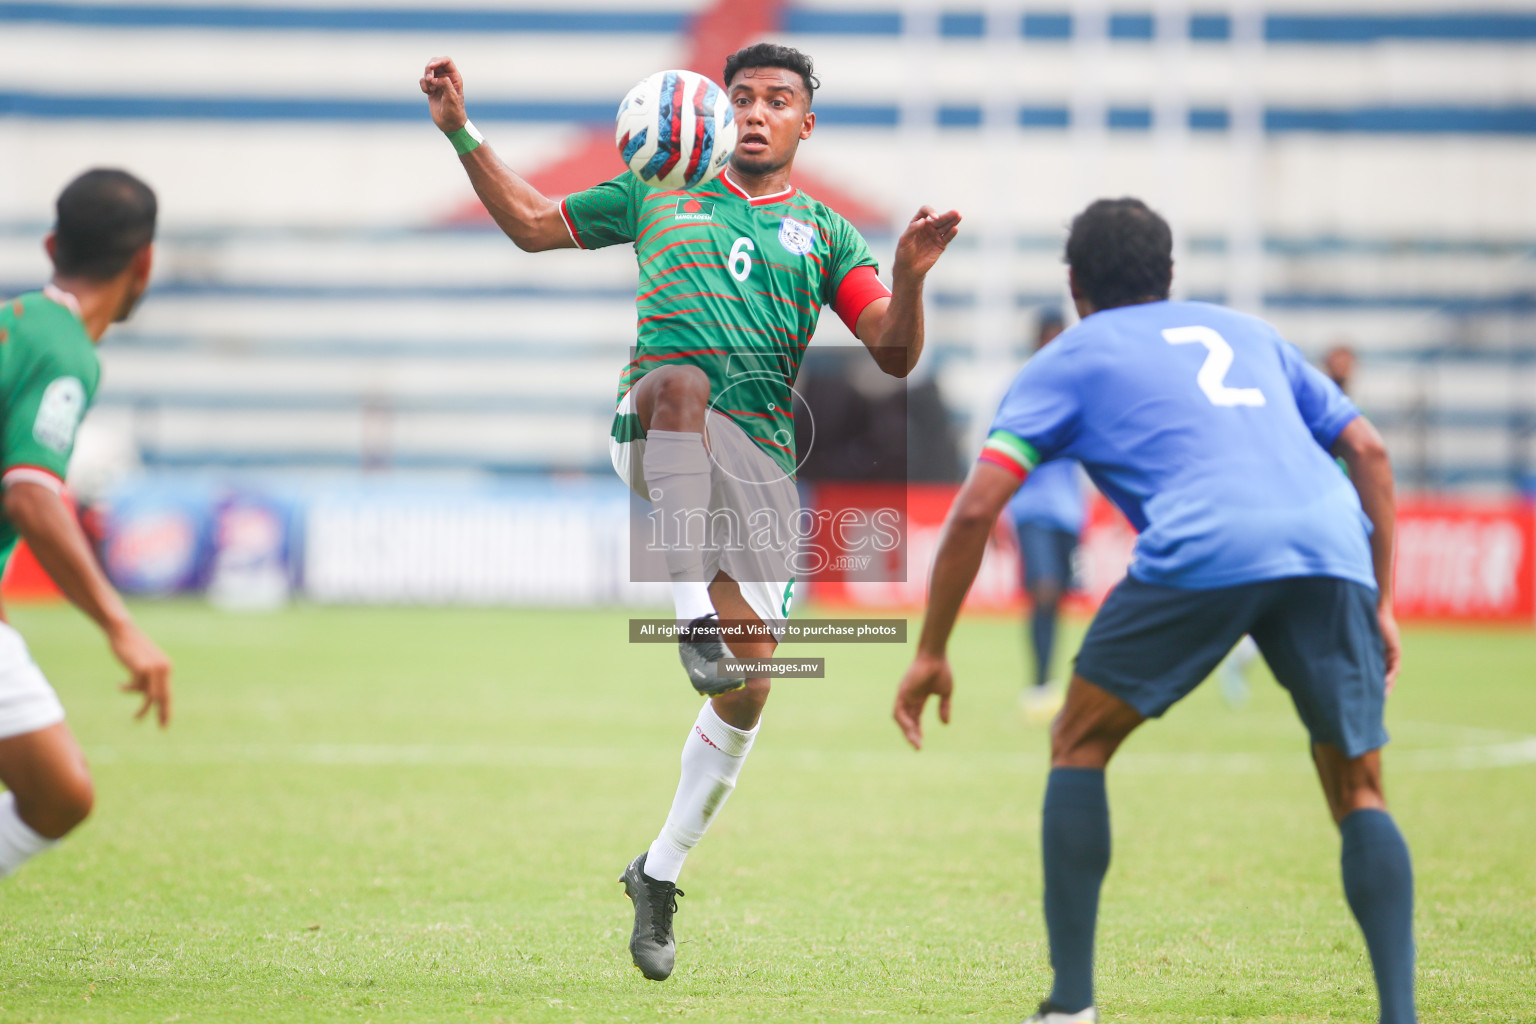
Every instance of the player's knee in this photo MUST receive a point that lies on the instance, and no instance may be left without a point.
(680, 388)
(63, 805)
(756, 692)
(742, 708)
(1070, 752)
(1076, 744)
(1090, 729)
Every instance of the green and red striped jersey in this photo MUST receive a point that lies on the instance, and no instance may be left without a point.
(731, 284)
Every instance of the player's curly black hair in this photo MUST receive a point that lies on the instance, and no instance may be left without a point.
(772, 55)
(104, 217)
(1121, 253)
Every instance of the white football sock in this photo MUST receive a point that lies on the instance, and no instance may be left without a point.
(18, 843)
(676, 467)
(712, 759)
(692, 600)
(1245, 653)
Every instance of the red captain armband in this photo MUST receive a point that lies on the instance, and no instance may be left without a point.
(860, 287)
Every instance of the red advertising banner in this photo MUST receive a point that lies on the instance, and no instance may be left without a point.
(1466, 560)
(24, 580)
(1456, 559)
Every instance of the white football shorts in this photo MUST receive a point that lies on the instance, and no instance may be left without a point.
(754, 488)
(27, 702)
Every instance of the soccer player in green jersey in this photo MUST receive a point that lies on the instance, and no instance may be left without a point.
(101, 251)
(733, 276)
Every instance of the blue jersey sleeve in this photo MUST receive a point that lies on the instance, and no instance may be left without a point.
(1038, 416)
(1323, 407)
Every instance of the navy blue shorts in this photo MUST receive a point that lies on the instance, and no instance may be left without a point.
(1047, 554)
(1151, 645)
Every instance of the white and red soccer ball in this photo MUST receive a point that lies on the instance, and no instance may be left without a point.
(676, 130)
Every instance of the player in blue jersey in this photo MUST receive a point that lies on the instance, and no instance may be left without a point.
(1047, 514)
(1213, 435)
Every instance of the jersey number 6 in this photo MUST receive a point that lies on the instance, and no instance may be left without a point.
(1213, 372)
(740, 263)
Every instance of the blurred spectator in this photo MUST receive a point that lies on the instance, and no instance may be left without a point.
(1047, 327)
(1047, 513)
(933, 449)
(869, 426)
(1339, 364)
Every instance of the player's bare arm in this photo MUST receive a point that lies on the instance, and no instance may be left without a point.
(531, 219)
(61, 548)
(892, 329)
(961, 546)
(1370, 469)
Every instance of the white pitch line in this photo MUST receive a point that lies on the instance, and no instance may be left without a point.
(1464, 757)
(1498, 755)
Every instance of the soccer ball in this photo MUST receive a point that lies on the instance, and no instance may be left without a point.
(676, 130)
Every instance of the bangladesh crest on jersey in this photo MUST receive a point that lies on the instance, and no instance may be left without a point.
(796, 237)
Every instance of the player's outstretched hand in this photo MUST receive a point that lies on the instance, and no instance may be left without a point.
(1392, 645)
(927, 677)
(149, 671)
(444, 87)
(924, 240)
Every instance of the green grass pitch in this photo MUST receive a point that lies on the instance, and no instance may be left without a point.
(419, 815)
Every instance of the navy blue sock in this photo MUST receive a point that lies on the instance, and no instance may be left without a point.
(1042, 630)
(1378, 883)
(1074, 839)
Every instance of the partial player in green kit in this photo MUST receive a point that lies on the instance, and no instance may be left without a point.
(733, 275)
(101, 252)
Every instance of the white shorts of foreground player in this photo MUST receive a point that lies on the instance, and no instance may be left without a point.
(27, 701)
